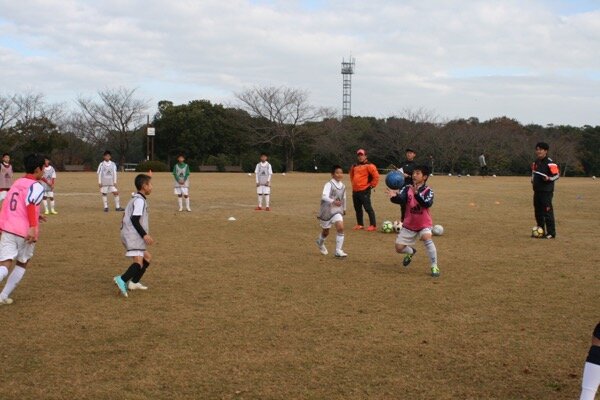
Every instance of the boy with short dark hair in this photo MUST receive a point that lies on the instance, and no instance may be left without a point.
(264, 173)
(19, 221)
(544, 172)
(181, 173)
(48, 180)
(418, 198)
(135, 237)
(107, 181)
(333, 209)
(6, 176)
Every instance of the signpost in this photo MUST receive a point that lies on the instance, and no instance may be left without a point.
(150, 133)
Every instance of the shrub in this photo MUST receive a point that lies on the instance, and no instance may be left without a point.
(155, 166)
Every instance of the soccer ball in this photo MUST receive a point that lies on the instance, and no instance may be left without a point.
(394, 180)
(537, 232)
(437, 230)
(387, 227)
(397, 226)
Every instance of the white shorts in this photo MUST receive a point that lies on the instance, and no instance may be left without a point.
(3, 194)
(13, 247)
(331, 222)
(181, 191)
(49, 194)
(263, 189)
(409, 238)
(108, 189)
(134, 253)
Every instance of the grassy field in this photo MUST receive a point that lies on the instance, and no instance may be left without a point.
(249, 309)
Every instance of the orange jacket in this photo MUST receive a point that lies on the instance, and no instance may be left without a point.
(363, 176)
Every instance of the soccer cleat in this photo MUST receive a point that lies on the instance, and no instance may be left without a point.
(6, 301)
(435, 271)
(180, 209)
(188, 209)
(340, 254)
(268, 209)
(322, 247)
(136, 286)
(258, 208)
(372, 228)
(105, 209)
(358, 227)
(119, 209)
(121, 285)
(549, 237)
(53, 212)
(46, 212)
(408, 257)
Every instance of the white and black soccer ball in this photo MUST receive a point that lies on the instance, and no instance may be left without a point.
(437, 230)
(397, 226)
(537, 232)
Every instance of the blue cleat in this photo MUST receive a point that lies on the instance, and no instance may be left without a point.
(121, 285)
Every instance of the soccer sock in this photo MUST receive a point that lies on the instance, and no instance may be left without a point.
(132, 271)
(431, 251)
(260, 200)
(339, 241)
(267, 200)
(407, 250)
(141, 272)
(180, 202)
(52, 205)
(117, 202)
(45, 205)
(13, 280)
(590, 381)
(187, 202)
(105, 201)
(321, 239)
(3, 272)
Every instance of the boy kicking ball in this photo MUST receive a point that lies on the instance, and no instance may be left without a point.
(418, 198)
(135, 237)
(333, 209)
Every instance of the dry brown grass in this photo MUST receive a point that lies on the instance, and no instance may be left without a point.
(250, 309)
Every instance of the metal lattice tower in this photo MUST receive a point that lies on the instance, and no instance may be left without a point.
(347, 71)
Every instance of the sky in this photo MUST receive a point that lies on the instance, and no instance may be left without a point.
(534, 61)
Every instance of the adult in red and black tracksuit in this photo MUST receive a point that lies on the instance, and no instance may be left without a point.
(543, 174)
(407, 168)
(364, 177)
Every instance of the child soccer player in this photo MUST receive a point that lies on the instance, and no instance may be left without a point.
(181, 172)
(591, 369)
(418, 198)
(6, 176)
(333, 209)
(48, 179)
(264, 173)
(107, 181)
(19, 220)
(135, 237)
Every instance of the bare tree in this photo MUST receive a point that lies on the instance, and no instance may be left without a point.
(9, 111)
(286, 110)
(112, 120)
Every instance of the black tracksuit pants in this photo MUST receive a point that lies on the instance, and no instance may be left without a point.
(363, 199)
(544, 213)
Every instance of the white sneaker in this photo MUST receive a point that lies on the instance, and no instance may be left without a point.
(136, 286)
(322, 247)
(340, 253)
(180, 209)
(6, 301)
(188, 209)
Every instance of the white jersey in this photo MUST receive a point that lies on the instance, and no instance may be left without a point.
(107, 173)
(332, 191)
(130, 237)
(47, 176)
(263, 172)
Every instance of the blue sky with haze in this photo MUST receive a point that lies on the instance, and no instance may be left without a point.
(536, 61)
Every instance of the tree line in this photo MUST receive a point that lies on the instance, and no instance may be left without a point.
(282, 122)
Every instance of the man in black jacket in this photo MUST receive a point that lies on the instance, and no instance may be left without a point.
(543, 174)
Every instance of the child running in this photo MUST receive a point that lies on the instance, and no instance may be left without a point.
(19, 220)
(264, 173)
(181, 172)
(418, 198)
(333, 209)
(107, 181)
(48, 180)
(6, 176)
(135, 237)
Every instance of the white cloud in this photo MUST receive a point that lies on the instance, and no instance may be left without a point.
(473, 58)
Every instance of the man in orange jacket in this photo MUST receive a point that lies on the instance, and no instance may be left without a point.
(364, 177)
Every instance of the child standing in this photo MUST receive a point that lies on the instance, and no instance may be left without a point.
(107, 181)
(135, 237)
(48, 179)
(418, 198)
(181, 172)
(19, 220)
(333, 209)
(6, 176)
(264, 173)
